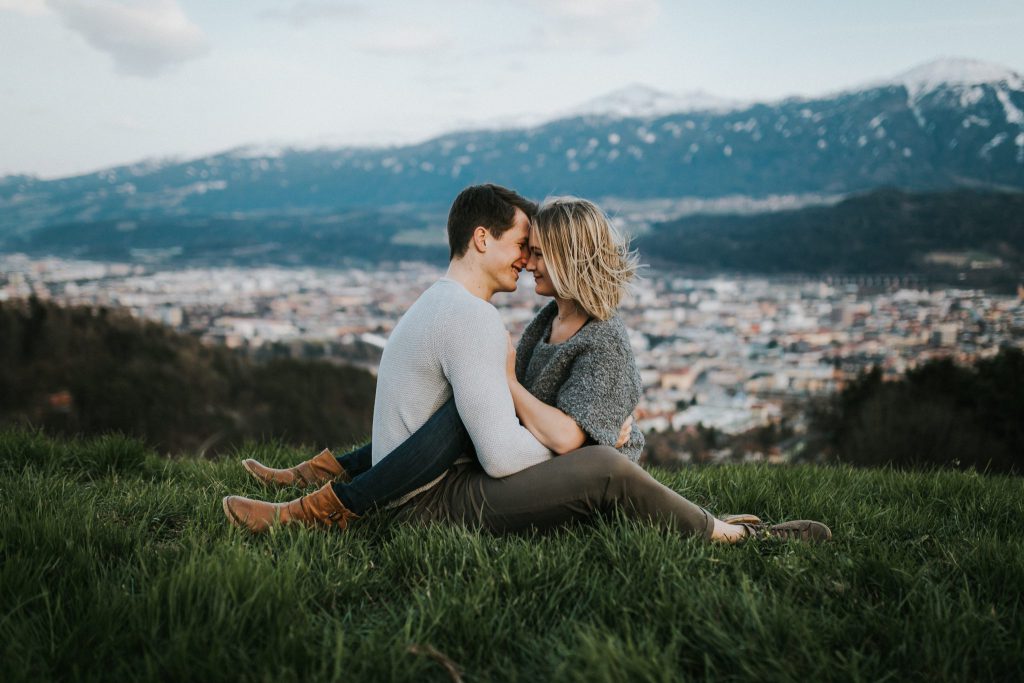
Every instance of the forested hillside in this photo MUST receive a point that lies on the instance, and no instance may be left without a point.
(940, 415)
(882, 232)
(79, 370)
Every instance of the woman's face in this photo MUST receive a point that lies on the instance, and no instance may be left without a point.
(536, 266)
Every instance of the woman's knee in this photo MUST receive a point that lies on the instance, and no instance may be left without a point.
(605, 462)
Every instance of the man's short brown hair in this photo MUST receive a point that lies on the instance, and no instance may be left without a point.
(491, 206)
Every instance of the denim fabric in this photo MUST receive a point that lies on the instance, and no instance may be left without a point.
(419, 460)
(358, 461)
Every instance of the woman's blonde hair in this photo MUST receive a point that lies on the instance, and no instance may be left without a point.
(588, 261)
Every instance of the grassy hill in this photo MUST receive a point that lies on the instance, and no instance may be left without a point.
(118, 564)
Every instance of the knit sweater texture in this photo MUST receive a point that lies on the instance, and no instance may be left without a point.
(449, 343)
(592, 376)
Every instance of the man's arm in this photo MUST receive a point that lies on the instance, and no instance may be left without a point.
(473, 360)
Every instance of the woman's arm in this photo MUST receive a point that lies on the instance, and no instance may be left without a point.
(552, 427)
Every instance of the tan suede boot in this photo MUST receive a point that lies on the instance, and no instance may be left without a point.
(320, 508)
(318, 470)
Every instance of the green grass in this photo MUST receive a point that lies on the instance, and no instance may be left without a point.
(117, 564)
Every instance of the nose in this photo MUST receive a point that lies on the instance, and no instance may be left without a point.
(531, 262)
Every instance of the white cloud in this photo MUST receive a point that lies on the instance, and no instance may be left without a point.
(307, 12)
(25, 7)
(409, 40)
(602, 25)
(144, 37)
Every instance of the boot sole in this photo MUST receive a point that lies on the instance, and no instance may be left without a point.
(229, 513)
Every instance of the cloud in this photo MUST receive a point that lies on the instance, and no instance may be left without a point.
(24, 7)
(602, 25)
(408, 40)
(145, 37)
(308, 12)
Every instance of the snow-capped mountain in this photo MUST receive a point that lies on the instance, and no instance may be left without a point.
(952, 73)
(641, 101)
(951, 123)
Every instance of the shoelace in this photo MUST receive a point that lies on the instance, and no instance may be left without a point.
(766, 531)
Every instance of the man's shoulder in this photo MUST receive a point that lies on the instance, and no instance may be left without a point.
(451, 309)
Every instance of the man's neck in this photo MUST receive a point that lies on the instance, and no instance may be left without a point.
(471, 278)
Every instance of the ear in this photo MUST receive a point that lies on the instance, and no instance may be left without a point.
(480, 237)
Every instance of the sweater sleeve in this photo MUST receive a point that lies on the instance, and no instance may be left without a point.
(604, 371)
(473, 360)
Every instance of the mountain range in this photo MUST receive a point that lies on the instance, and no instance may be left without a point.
(952, 123)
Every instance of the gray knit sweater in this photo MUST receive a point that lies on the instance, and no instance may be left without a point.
(592, 376)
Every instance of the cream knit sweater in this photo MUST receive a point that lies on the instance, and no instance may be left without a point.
(451, 342)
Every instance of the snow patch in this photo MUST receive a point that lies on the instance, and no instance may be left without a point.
(973, 120)
(266, 151)
(743, 126)
(986, 151)
(1013, 115)
(971, 96)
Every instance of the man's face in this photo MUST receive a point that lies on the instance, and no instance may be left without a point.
(507, 255)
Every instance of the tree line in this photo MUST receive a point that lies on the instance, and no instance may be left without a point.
(939, 415)
(82, 370)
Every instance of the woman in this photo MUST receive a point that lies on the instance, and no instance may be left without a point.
(573, 382)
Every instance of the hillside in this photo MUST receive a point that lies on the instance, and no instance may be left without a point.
(337, 240)
(939, 415)
(117, 564)
(942, 233)
(84, 371)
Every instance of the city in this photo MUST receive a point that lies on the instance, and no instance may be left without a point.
(728, 353)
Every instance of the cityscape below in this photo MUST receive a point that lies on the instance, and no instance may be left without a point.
(728, 353)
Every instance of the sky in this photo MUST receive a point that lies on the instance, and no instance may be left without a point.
(88, 84)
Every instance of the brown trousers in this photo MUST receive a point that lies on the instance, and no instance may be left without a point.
(578, 486)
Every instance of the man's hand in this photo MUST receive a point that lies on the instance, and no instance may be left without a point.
(510, 361)
(627, 427)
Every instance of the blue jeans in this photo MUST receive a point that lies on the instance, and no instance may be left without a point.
(417, 461)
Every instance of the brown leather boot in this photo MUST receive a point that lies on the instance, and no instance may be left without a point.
(321, 507)
(322, 468)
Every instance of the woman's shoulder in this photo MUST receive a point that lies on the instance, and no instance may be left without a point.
(611, 331)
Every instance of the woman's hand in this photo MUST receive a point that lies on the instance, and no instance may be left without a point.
(510, 361)
(624, 432)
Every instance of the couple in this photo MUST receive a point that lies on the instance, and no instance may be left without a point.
(468, 430)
